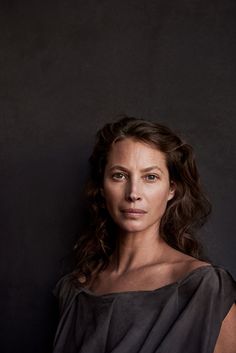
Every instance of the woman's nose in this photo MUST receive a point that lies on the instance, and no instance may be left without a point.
(133, 192)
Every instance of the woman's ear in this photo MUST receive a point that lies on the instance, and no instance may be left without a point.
(172, 190)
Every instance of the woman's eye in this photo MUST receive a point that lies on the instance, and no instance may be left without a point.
(118, 176)
(151, 177)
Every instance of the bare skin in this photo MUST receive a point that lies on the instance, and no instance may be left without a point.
(226, 342)
(136, 177)
(143, 268)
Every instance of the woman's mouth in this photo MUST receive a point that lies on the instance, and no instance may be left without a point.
(133, 212)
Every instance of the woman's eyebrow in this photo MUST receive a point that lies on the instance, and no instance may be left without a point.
(119, 167)
(148, 169)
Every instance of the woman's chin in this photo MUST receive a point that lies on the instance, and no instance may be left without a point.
(131, 228)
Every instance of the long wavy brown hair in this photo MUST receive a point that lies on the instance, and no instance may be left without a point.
(184, 215)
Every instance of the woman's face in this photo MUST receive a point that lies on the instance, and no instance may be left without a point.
(136, 185)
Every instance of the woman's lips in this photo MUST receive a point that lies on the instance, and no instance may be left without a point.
(133, 212)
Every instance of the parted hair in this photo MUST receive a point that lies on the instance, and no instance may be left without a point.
(185, 213)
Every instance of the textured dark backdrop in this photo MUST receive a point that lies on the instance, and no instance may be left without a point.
(66, 68)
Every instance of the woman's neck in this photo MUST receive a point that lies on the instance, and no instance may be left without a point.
(137, 250)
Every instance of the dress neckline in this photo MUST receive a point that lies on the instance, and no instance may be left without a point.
(128, 292)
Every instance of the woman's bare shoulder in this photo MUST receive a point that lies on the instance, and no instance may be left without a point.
(183, 264)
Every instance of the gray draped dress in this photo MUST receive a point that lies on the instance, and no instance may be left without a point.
(181, 317)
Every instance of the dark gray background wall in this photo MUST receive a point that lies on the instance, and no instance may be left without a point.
(66, 68)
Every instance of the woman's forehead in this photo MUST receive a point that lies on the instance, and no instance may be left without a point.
(135, 152)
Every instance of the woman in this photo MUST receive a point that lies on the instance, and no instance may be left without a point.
(141, 284)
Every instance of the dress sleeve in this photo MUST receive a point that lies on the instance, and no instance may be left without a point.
(64, 292)
(226, 291)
